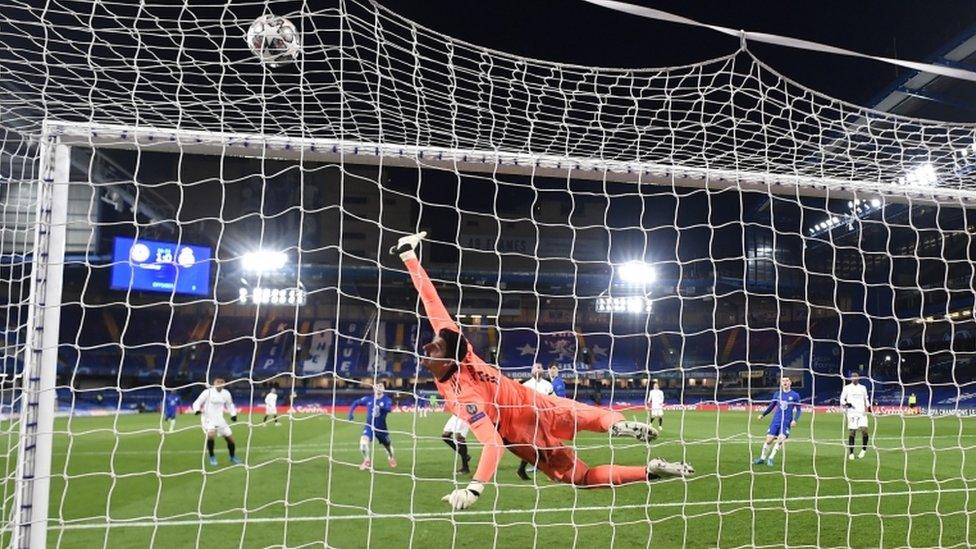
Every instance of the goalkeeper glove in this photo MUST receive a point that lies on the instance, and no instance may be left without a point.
(464, 498)
(197, 412)
(233, 418)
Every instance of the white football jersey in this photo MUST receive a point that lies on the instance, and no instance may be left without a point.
(271, 400)
(656, 398)
(540, 385)
(856, 396)
(213, 403)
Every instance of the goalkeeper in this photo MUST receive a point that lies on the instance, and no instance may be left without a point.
(505, 414)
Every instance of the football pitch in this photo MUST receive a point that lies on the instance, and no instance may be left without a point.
(119, 483)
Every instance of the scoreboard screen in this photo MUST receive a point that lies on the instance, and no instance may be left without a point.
(156, 266)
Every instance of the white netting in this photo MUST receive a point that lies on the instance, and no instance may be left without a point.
(786, 233)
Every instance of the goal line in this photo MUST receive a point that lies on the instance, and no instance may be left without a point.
(116, 524)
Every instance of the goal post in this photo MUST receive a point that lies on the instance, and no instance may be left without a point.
(38, 398)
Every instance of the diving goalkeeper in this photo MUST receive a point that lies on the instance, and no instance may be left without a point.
(505, 414)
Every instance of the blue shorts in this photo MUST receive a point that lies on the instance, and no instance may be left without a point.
(169, 416)
(382, 435)
(778, 428)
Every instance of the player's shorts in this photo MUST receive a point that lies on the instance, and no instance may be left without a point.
(381, 435)
(221, 428)
(657, 412)
(857, 420)
(270, 410)
(169, 416)
(456, 426)
(778, 428)
(911, 405)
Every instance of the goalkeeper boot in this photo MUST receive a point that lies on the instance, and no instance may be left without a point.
(213, 460)
(862, 453)
(659, 468)
(641, 431)
(408, 243)
(850, 456)
(234, 460)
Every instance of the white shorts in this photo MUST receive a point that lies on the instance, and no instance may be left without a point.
(857, 420)
(657, 412)
(221, 427)
(270, 410)
(457, 426)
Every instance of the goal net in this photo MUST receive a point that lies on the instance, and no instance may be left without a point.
(174, 212)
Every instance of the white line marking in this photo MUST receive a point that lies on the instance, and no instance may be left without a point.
(487, 512)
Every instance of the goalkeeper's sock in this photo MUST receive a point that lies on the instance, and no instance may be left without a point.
(850, 444)
(462, 450)
(775, 449)
(765, 451)
(864, 441)
(230, 448)
(615, 475)
(210, 447)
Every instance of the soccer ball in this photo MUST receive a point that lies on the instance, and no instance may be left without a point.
(274, 40)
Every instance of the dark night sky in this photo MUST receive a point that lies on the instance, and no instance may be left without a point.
(574, 31)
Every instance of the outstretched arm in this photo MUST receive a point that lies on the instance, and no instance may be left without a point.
(493, 447)
(492, 451)
(797, 410)
(769, 408)
(436, 312)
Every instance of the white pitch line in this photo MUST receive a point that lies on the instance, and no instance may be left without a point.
(489, 512)
(403, 447)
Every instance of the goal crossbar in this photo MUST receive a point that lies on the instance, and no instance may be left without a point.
(314, 149)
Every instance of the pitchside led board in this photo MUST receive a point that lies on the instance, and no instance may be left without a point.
(156, 266)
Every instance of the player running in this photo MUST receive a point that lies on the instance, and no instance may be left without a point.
(854, 400)
(786, 403)
(504, 414)
(171, 407)
(655, 399)
(211, 405)
(271, 406)
(377, 405)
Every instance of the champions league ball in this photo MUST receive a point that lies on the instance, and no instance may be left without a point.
(274, 40)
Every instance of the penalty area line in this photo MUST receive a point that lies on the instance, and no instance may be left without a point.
(479, 512)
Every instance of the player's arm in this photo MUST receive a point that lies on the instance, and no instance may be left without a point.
(436, 312)
(844, 399)
(198, 403)
(493, 448)
(229, 405)
(355, 404)
(772, 404)
(797, 409)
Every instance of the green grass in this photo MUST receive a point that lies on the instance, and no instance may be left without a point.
(301, 486)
